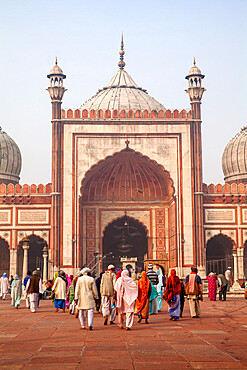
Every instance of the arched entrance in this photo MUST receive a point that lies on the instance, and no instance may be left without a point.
(35, 254)
(4, 257)
(127, 182)
(219, 254)
(124, 237)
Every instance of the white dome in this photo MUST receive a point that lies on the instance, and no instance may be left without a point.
(234, 159)
(10, 159)
(122, 93)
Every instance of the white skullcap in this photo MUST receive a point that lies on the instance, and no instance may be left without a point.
(150, 266)
(85, 271)
(111, 267)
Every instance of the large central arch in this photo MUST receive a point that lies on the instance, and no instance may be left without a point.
(129, 183)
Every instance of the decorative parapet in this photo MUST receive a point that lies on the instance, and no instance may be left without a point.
(25, 190)
(123, 114)
(225, 189)
(227, 193)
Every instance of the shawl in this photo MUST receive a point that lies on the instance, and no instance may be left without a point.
(63, 276)
(119, 274)
(143, 291)
(154, 292)
(192, 278)
(173, 286)
(126, 289)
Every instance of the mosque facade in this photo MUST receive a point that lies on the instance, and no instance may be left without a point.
(126, 188)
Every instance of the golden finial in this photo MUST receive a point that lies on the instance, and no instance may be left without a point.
(194, 61)
(121, 63)
(56, 61)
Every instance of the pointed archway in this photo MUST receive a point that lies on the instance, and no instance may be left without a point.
(35, 254)
(124, 237)
(219, 254)
(4, 256)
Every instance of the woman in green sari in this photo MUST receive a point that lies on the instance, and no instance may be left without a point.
(16, 290)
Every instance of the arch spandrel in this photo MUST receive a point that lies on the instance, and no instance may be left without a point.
(127, 176)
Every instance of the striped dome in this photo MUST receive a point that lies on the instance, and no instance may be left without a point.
(127, 176)
(122, 93)
(234, 159)
(10, 159)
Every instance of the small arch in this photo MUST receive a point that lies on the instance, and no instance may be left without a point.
(138, 114)
(184, 114)
(107, 113)
(62, 113)
(219, 253)
(100, 113)
(41, 189)
(145, 114)
(115, 114)
(176, 113)
(161, 114)
(153, 114)
(4, 256)
(77, 113)
(168, 114)
(92, 114)
(123, 114)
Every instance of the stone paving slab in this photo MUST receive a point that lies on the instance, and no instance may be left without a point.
(49, 340)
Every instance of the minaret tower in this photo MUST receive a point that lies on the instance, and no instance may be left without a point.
(56, 91)
(195, 92)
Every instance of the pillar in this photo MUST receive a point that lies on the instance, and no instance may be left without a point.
(236, 284)
(13, 262)
(25, 257)
(45, 256)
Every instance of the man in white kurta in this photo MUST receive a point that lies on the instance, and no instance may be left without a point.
(85, 295)
(107, 293)
(4, 286)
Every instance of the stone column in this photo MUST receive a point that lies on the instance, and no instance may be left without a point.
(45, 257)
(240, 252)
(13, 262)
(25, 257)
(236, 284)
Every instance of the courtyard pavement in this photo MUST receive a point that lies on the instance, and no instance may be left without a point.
(49, 340)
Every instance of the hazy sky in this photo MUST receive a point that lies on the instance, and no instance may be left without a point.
(161, 39)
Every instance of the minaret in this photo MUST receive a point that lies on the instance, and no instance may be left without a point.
(56, 91)
(195, 92)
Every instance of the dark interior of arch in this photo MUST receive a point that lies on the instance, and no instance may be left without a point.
(219, 254)
(35, 258)
(124, 237)
(245, 259)
(4, 257)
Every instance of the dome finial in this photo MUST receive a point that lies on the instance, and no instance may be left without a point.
(56, 61)
(194, 61)
(121, 63)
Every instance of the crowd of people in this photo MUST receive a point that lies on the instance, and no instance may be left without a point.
(116, 293)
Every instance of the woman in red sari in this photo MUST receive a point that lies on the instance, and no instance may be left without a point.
(142, 302)
(212, 286)
(172, 295)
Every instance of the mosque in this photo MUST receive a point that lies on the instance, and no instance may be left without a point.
(126, 188)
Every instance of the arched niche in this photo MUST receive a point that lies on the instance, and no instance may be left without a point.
(219, 254)
(4, 257)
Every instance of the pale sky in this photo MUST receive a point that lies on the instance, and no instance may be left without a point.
(161, 39)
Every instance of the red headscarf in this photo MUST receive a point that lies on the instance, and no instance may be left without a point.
(173, 286)
(143, 290)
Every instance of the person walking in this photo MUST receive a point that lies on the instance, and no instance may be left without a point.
(153, 277)
(16, 290)
(142, 302)
(4, 286)
(182, 294)
(85, 296)
(29, 274)
(60, 288)
(212, 286)
(127, 292)
(98, 283)
(107, 295)
(159, 290)
(193, 291)
(228, 276)
(33, 289)
(172, 295)
(222, 287)
(70, 299)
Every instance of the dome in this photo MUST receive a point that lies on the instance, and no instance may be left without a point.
(10, 159)
(127, 176)
(122, 93)
(234, 159)
(56, 70)
(194, 71)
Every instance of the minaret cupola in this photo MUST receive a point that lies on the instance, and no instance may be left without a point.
(56, 89)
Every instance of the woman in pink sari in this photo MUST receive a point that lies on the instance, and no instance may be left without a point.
(127, 293)
(212, 286)
(70, 280)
